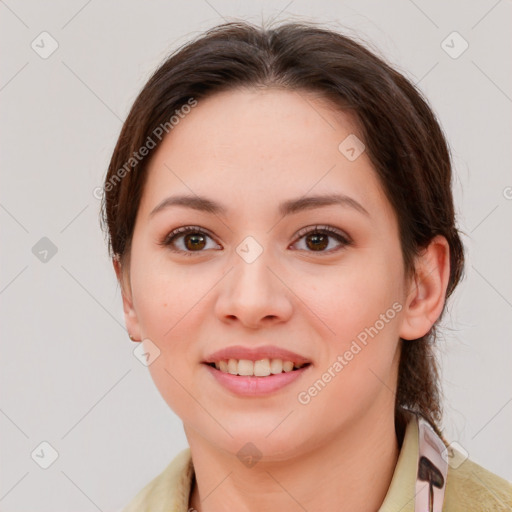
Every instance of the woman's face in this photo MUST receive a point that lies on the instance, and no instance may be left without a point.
(251, 276)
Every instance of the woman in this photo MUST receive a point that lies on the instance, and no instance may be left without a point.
(281, 222)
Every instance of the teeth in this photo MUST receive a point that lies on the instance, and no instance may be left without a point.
(245, 367)
(276, 366)
(260, 368)
(287, 366)
(233, 366)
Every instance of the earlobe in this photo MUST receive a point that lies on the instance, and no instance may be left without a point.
(427, 291)
(130, 315)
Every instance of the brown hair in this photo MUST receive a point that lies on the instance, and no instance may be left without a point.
(403, 140)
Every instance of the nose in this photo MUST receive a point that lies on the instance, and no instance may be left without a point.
(255, 294)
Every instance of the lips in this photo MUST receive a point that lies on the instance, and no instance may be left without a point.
(239, 352)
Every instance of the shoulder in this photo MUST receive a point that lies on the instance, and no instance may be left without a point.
(167, 491)
(470, 486)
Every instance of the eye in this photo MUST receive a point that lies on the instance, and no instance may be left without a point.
(188, 240)
(317, 238)
(192, 239)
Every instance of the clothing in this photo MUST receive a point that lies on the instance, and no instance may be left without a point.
(469, 486)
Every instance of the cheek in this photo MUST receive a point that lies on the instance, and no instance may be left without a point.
(167, 300)
(353, 296)
(358, 362)
(167, 316)
(359, 305)
(162, 293)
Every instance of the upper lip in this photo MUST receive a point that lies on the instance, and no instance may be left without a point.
(255, 353)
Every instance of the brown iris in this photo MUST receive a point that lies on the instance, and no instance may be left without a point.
(197, 241)
(320, 241)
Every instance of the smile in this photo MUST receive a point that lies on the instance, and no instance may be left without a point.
(255, 385)
(259, 368)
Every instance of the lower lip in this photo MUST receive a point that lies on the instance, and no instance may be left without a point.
(255, 386)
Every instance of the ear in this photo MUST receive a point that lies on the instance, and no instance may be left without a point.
(427, 291)
(130, 316)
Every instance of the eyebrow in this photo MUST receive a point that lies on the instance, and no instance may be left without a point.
(288, 207)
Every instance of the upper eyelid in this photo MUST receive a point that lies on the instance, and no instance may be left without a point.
(331, 230)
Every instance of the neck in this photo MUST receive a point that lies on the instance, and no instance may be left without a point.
(350, 471)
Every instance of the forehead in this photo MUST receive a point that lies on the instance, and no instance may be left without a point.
(261, 146)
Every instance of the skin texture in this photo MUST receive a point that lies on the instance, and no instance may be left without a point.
(250, 150)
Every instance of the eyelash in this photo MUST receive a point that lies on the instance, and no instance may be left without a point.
(328, 230)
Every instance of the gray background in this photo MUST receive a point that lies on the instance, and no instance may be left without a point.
(68, 375)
